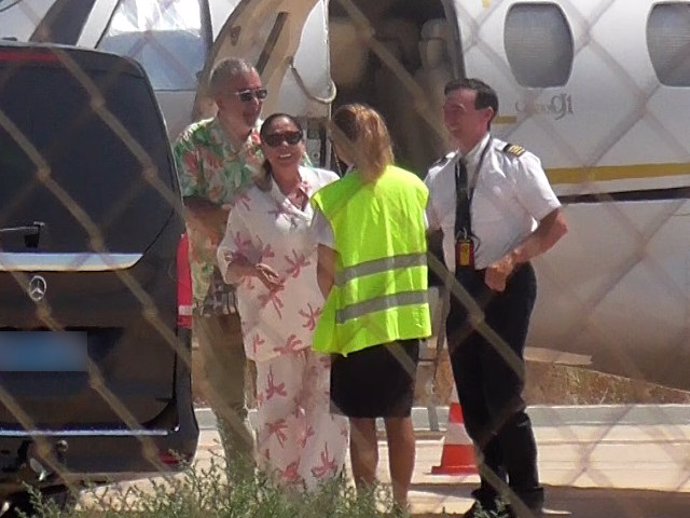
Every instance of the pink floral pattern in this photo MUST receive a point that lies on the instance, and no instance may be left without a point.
(311, 316)
(266, 227)
(301, 442)
(296, 264)
(273, 388)
(292, 345)
(278, 429)
(327, 467)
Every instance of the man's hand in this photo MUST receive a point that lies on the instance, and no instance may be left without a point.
(497, 274)
(208, 219)
(550, 229)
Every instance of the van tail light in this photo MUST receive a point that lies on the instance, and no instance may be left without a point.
(184, 285)
(28, 57)
(174, 460)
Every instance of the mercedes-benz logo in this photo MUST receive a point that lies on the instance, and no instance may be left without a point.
(37, 288)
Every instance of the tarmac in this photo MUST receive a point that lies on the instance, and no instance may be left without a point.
(609, 461)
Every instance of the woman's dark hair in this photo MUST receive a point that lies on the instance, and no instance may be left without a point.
(264, 181)
(269, 122)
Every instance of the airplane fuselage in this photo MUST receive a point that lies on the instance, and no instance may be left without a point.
(596, 89)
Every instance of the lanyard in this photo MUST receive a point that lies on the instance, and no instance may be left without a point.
(465, 193)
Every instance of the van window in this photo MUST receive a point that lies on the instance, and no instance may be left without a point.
(668, 41)
(539, 44)
(96, 164)
(167, 38)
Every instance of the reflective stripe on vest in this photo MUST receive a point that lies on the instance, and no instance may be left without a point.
(381, 304)
(379, 293)
(379, 266)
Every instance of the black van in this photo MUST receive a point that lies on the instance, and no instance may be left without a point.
(94, 372)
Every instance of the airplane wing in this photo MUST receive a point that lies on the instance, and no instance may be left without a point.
(266, 33)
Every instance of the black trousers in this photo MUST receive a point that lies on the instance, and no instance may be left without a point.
(488, 366)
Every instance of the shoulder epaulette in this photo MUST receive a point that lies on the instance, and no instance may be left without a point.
(442, 160)
(514, 149)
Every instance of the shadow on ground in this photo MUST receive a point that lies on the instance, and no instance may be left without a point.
(585, 503)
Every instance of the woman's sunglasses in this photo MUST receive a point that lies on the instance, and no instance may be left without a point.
(276, 139)
(246, 96)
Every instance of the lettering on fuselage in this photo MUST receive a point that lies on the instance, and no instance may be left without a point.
(559, 106)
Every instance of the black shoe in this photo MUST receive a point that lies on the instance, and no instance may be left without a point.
(481, 509)
(490, 509)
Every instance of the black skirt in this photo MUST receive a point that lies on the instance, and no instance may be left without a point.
(375, 382)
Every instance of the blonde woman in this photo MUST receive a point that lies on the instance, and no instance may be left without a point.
(371, 231)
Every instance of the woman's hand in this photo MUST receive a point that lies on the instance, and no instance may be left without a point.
(240, 267)
(268, 276)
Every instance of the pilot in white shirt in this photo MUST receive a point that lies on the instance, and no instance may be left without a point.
(494, 206)
(511, 195)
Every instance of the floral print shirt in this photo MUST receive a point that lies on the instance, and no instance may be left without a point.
(267, 227)
(211, 168)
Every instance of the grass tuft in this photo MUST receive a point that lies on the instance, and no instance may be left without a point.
(219, 491)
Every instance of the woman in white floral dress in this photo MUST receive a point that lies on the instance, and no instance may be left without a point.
(269, 252)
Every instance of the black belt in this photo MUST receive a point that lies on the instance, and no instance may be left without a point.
(471, 273)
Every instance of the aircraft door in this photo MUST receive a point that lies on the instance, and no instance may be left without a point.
(18, 20)
(267, 33)
(170, 39)
(96, 23)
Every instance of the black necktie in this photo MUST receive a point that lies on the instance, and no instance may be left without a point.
(463, 223)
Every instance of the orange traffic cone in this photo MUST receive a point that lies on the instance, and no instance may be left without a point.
(458, 456)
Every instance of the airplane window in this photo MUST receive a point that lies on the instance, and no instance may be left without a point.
(668, 42)
(539, 45)
(165, 37)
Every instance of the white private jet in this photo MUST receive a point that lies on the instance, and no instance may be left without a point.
(596, 88)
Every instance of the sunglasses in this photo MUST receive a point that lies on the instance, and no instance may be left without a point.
(276, 139)
(246, 96)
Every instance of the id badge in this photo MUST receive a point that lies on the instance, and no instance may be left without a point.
(464, 253)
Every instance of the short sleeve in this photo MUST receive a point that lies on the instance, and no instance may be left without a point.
(433, 222)
(236, 241)
(189, 169)
(533, 189)
(322, 230)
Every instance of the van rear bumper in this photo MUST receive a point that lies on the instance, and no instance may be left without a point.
(93, 456)
(96, 455)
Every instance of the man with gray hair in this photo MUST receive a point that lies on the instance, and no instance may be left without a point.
(216, 159)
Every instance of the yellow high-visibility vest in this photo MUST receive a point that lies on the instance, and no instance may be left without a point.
(380, 291)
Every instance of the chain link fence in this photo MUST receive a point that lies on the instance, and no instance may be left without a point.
(395, 56)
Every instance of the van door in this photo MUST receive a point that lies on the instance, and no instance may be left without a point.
(89, 227)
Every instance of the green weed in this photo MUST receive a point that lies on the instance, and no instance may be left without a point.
(219, 491)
